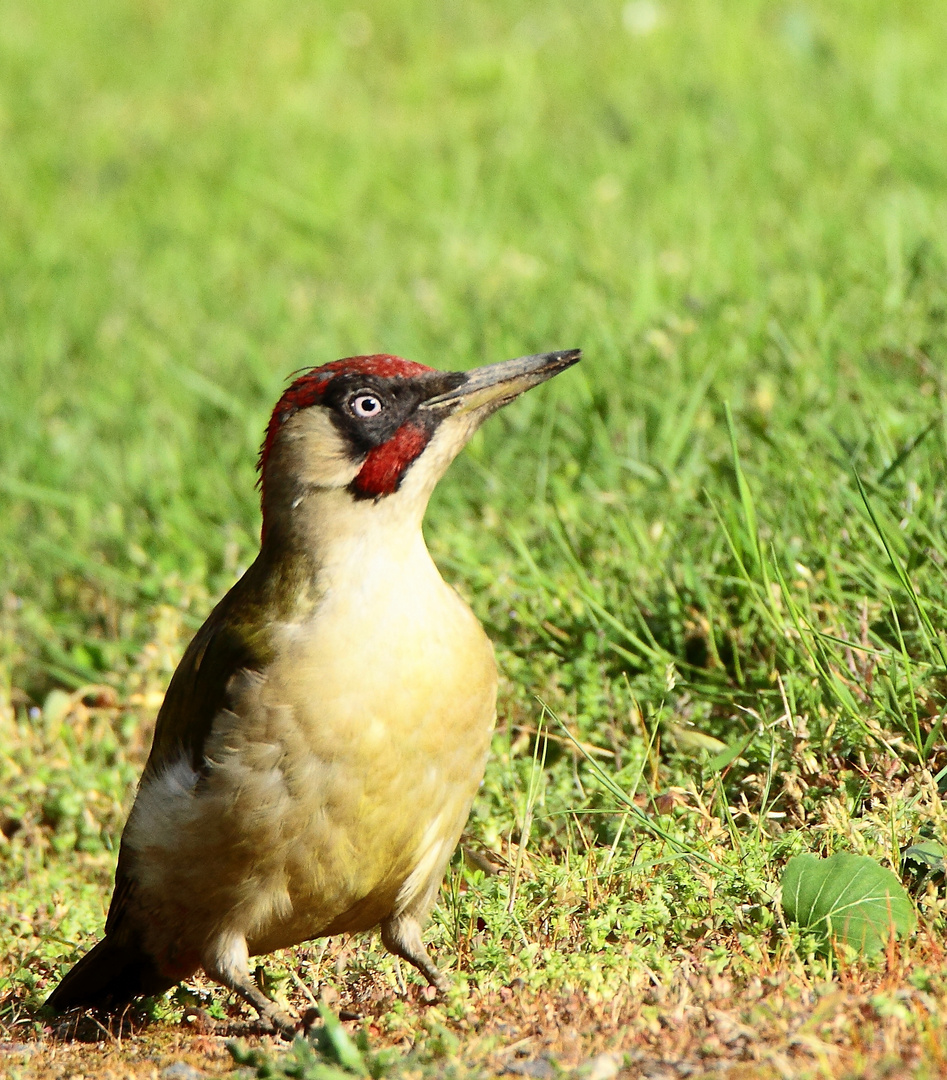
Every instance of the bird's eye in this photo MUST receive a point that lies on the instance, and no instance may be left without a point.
(366, 405)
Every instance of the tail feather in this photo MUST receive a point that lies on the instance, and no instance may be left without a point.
(108, 977)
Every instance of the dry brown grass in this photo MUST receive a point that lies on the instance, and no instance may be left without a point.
(776, 1024)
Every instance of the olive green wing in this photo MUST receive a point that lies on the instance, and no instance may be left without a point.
(200, 687)
(229, 642)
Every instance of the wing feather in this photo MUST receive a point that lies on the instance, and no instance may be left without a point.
(232, 640)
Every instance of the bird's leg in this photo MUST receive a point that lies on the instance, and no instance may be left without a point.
(401, 935)
(229, 965)
(272, 1017)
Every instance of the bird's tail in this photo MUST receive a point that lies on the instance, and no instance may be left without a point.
(109, 977)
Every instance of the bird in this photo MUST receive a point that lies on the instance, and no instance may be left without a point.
(320, 744)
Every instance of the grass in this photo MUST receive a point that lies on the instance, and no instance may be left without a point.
(712, 557)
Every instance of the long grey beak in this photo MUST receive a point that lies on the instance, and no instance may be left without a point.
(494, 385)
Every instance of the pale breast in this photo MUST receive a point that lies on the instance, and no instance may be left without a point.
(340, 778)
(393, 702)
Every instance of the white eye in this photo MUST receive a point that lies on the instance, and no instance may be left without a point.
(366, 405)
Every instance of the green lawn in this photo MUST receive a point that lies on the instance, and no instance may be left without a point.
(715, 551)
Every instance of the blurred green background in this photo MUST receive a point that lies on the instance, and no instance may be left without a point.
(736, 201)
(735, 208)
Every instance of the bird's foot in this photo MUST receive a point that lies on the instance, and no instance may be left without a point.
(275, 1022)
(272, 1019)
(280, 1025)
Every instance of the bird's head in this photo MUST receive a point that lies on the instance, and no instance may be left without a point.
(374, 426)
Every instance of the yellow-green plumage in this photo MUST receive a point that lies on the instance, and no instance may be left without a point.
(321, 741)
(343, 764)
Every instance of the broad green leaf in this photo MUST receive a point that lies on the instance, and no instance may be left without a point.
(923, 862)
(847, 898)
(730, 754)
(692, 739)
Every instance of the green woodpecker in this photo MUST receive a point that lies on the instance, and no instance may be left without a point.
(322, 739)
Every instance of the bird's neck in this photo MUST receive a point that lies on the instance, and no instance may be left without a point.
(326, 537)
